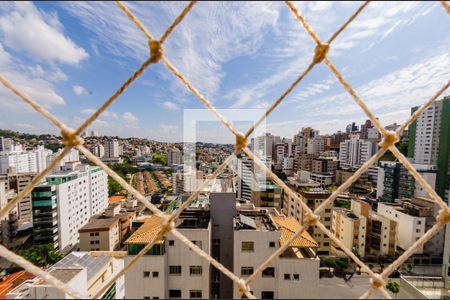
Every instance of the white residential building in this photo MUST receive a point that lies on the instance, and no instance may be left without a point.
(316, 145)
(411, 226)
(65, 202)
(98, 150)
(32, 161)
(355, 152)
(112, 149)
(81, 272)
(174, 157)
(232, 234)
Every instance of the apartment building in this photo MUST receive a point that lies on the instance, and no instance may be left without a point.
(218, 224)
(112, 148)
(303, 162)
(18, 182)
(327, 165)
(415, 216)
(313, 195)
(65, 202)
(350, 229)
(396, 182)
(9, 224)
(174, 157)
(316, 145)
(268, 195)
(80, 271)
(355, 152)
(107, 231)
(294, 275)
(98, 150)
(170, 269)
(364, 231)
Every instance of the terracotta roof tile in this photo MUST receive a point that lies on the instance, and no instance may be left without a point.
(147, 232)
(288, 227)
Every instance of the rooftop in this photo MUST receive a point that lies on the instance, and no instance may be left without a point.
(11, 281)
(288, 227)
(83, 260)
(63, 274)
(100, 222)
(147, 232)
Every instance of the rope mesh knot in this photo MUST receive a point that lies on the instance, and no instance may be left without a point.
(311, 219)
(156, 51)
(320, 52)
(390, 138)
(166, 226)
(70, 138)
(243, 287)
(377, 281)
(241, 142)
(443, 216)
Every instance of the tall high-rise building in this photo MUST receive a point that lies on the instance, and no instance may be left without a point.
(112, 149)
(355, 152)
(18, 182)
(174, 157)
(316, 145)
(65, 202)
(429, 142)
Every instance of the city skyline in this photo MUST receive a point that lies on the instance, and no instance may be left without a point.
(256, 57)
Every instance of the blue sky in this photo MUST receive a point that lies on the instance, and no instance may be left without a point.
(71, 56)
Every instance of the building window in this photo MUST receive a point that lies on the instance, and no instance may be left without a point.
(417, 230)
(268, 272)
(171, 242)
(174, 293)
(91, 234)
(198, 243)
(146, 274)
(97, 233)
(267, 295)
(175, 270)
(272, 244)
(246, 271)
(248, 246)
(195, 270)
(419, 222)
(147, 298)
(287, 276)
(195, 294)
(155, 274)
(92, 242)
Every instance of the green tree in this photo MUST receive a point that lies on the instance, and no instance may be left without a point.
(114, 188)
(159, 158)
(382, 266)
(393, 287)
(43, 256)
(410, 267)
(370, 265)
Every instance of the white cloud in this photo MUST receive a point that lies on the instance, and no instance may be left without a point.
(24, 28)
(212, 34)
(169, 127)
(108, 114)
(32, 81)
(130, 119)
(79, 90)
(170, 105)
(390, 97)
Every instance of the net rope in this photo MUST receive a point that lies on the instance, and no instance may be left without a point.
(72, 138)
